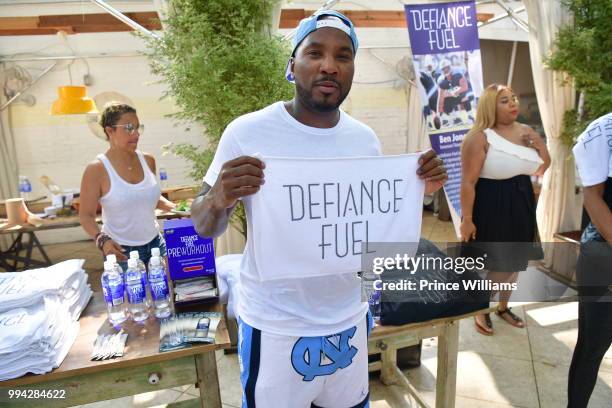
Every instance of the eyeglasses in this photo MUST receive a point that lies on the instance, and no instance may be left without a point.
(131, 128)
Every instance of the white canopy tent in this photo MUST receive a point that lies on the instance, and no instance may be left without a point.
(558, 207)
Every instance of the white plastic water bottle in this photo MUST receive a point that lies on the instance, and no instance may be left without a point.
(156, 252)
(136, 292)
(113, 258)
(113, 289)
(25, 188)
(163, 177)
(160, 292)
(143, 274)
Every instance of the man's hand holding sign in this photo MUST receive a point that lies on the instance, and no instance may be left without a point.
(432, 171)
(238, 178)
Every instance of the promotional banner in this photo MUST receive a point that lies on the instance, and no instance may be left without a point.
(446, 58)
(315, 217)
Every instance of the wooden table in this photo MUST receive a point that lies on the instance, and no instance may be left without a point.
(86, 381)
(11, 259)
(20, 244)
(386, 340)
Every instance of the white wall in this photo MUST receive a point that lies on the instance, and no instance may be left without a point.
(61, 146)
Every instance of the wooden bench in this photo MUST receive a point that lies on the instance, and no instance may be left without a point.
(386, 340)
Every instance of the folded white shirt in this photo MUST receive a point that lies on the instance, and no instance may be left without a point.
(21, 327)
(38, 313)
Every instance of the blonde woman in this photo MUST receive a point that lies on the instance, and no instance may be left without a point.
(497, 201)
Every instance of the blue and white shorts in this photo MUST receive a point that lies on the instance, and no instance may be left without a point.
(304, 372)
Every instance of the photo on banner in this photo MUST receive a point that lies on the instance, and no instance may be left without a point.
(446, 57)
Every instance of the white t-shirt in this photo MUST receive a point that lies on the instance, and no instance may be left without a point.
(593, 152)
(294, 307)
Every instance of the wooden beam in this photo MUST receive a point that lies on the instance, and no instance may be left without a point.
(18, 23)
(75, 23)
(78, 20)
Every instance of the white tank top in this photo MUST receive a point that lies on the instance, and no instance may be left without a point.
(128, 210)
(505, 159)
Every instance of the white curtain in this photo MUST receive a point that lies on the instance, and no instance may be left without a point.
(8, 154)
(557, 204)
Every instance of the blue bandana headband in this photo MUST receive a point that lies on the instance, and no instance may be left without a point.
(313, 23)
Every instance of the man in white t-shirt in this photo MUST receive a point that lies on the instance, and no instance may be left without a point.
(593, 154)
(302, 342)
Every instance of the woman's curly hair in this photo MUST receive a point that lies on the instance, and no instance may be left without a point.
(112, 113)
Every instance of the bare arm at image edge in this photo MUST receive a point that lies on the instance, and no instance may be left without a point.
(89, 199)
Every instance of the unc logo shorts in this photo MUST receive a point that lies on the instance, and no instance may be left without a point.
(304, 372)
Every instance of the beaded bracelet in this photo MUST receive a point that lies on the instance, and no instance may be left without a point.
(101, 239)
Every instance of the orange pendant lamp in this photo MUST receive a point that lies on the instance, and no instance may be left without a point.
(73, 100)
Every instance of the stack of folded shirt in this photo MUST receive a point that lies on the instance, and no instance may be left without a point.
(38, 313)
(66, 280)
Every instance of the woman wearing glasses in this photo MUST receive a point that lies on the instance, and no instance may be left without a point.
(497, 201)
(122, 180)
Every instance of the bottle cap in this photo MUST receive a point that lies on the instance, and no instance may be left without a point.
(134, 255)
(155, 251)
(132, 263)
(112, 258)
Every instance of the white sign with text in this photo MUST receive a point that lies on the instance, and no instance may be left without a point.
(314, 217)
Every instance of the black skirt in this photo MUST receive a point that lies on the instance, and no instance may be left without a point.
(506, 230)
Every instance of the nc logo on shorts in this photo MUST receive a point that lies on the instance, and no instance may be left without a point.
(308, 351)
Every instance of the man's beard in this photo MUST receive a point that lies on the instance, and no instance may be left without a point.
(306, 98)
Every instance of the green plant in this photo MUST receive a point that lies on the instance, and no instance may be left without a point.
(219, 61)
(584, 51)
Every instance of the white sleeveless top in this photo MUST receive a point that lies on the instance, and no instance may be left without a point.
(128, 210)
(505, 159)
